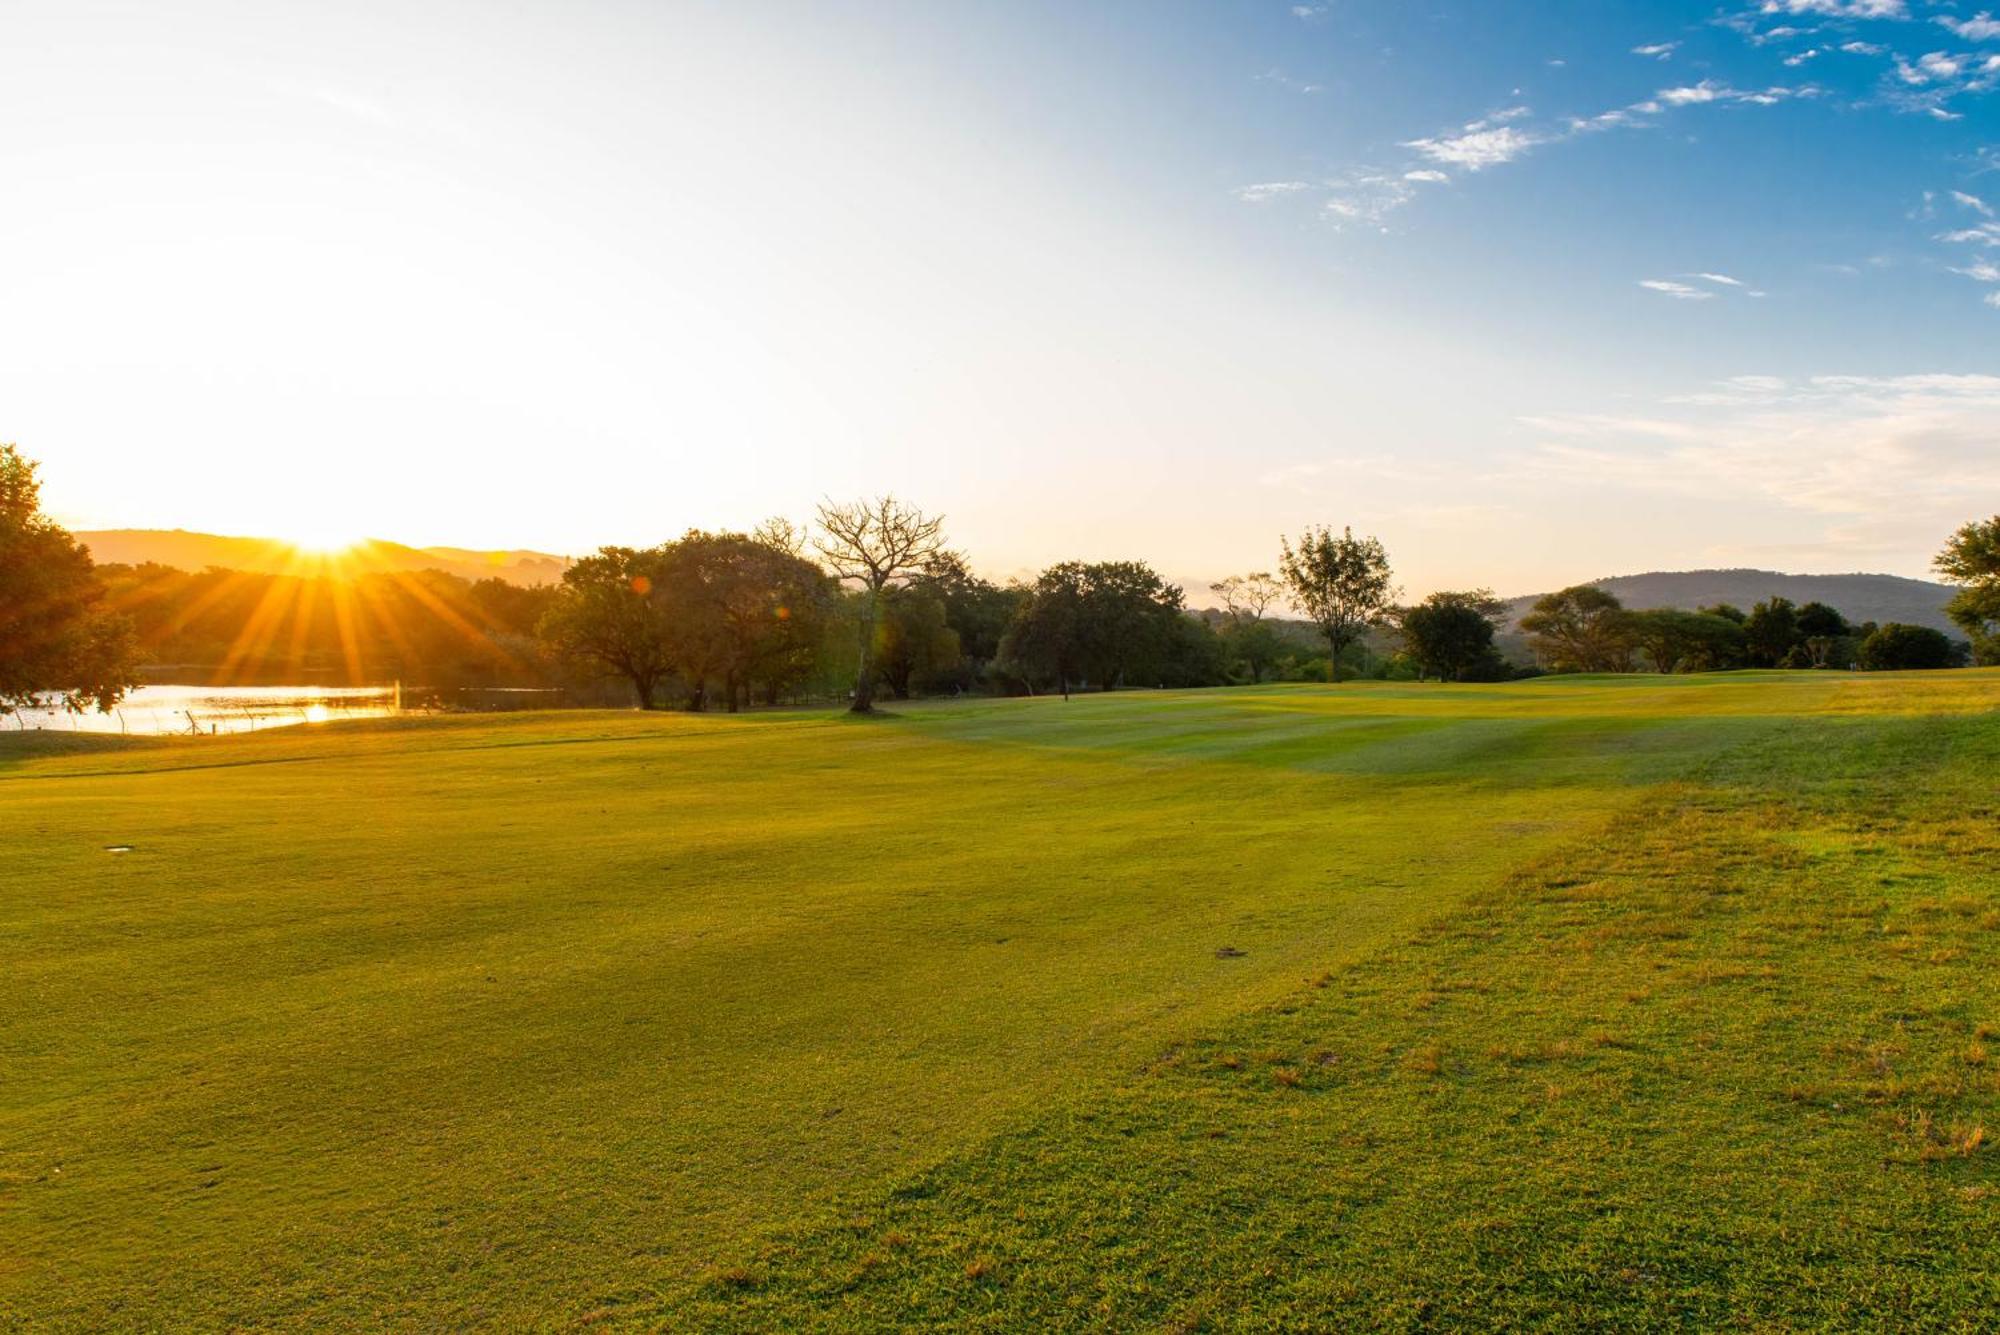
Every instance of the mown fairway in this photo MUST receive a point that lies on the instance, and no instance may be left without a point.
(1575, 1003)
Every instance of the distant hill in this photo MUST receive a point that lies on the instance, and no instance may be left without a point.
(1857, 597)
(198, 551)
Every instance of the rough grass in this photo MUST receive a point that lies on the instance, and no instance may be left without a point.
(1635, 1003)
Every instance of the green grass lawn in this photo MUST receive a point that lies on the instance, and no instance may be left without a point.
(1585, 1003)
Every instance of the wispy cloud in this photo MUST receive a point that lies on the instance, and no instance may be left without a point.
(1884, 463)
(1265, 191)
(1477, 149)
(1722, 278)
(1286, 81)
(1678, 291)
(1981, 27)
(1839, 9)
(1657, 50)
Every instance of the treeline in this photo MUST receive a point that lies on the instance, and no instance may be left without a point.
(428, 626)
(1586, 629)
(871, 599)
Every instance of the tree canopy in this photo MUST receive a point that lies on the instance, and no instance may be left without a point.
(1971, 559)
(1450, 634)
(58, 641)
(877, 544)
(1343, 584)
(1582, 629)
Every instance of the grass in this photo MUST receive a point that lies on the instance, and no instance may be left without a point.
(1573, 1004)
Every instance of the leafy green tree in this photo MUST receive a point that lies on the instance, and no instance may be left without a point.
(1256, 645)
(1971, 559)
(1449, 634)
(1895, 646)
(1246, 636)
(1771, 633)
(1107, 622)
(1824, 634)
(611, 617)
(58, 641)
(743, 609)
(878, 545)
(1343, 585)
(914, 640)
(1580, 629)
(976, 610)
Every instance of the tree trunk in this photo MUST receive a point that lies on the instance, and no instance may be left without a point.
(644, 686)
(1334, 646)
(730, 684)
(698, 696)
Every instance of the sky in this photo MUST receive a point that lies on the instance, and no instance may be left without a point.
(1536, 292)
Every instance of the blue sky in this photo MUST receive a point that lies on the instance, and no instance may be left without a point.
(1538, 292)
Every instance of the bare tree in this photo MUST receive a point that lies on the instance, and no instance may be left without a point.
(1342, 583)
(878, 544)
(782, 535)
(1248, 597)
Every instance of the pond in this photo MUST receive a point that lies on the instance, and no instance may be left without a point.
(154, 710)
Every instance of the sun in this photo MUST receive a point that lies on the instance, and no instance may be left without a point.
(324, 540)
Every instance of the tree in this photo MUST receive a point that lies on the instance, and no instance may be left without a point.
(1245, 635)
(1451, 633)
(1580, 629)
(1771, 632)
(1342, 584)
(913, 641)
(1677, 641)
(1897, 647)
(879, 544)
(1247, 597)
(1105, 622)
(57, 638)
(742, 609)
(611, 617)
(976, 610)
(1823, 632)
(1971, 559)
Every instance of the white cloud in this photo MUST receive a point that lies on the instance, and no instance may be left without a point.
(1477, 149)
(1694, 95)
(1981, 271)
(1839, 9)
(1864, 49)
(1265, 191)
(1722, 278)
(1658, 50)
(1678, 291)
(1973, 202)
(1992, 298)
(1981, 27)
(1426, 174)
(1931, 67)
(1871, 464)
(1981, 234)
(1308, 11)
(1366, 198)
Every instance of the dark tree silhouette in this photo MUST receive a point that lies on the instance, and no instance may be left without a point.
(57, 639)
(879, 544)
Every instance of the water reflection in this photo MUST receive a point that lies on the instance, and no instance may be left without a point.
(214, 710)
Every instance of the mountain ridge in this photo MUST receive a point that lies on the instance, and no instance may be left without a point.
(1858, 596)
(185, 549)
